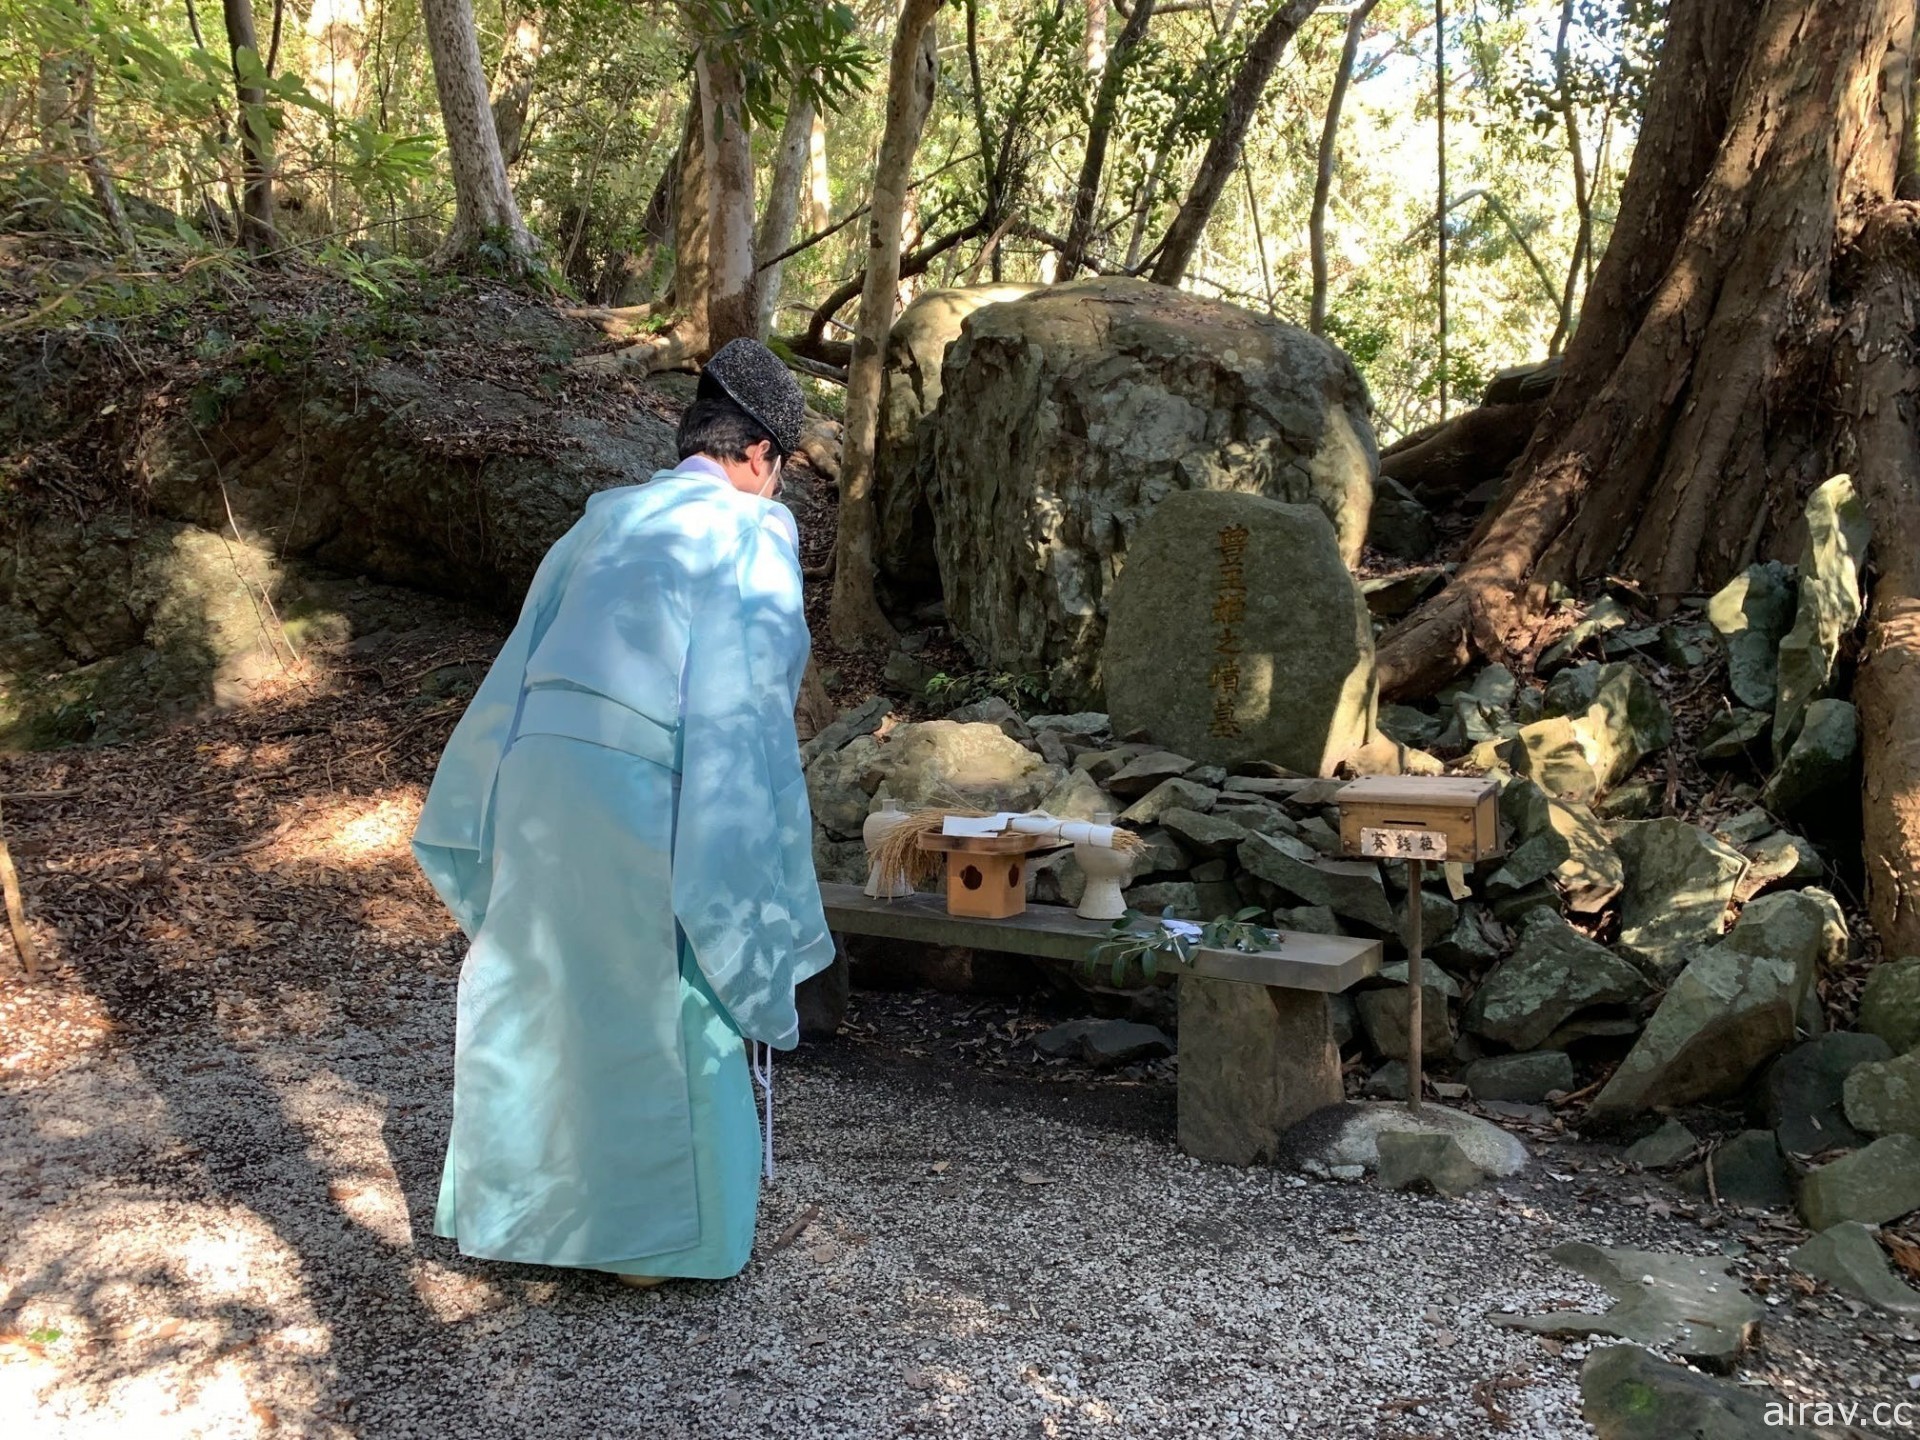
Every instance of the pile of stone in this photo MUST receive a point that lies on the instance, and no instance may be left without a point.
(1678, 961)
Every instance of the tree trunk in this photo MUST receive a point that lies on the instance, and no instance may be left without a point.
(256, 134)
(813, 708)
(685, 339)
(512, 93)
(1475, 446)
(733, 305)
(484, 209)
(690, 211)
(1096, 36)
(1582, 194)
(1223, 151)
(1879, 374)
(1106, 105)
(1323, 179)
(854, 618)
(1690, 419)
(819, 191)
(106, 195)
(782, 208)
(53, 105)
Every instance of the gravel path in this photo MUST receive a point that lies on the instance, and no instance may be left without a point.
(229, 1236)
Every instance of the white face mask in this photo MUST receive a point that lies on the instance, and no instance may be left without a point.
(767, 491)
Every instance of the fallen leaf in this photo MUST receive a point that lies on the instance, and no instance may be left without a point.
(792, 1233)
(1905, 1253)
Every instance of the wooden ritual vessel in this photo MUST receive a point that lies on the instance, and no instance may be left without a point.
(986, 874)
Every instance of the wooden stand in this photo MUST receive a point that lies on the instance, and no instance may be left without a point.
(1420, 819)
(986, 875)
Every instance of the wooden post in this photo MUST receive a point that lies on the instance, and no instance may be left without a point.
(16, 911)
(1415, 907)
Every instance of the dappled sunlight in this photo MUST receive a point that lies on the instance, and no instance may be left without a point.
(163, 1309)
(454, 1296)
(346, 832)
(342, 1123)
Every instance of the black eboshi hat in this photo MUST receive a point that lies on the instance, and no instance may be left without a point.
(755, 379)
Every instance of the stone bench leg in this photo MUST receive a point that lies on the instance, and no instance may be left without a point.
(1255, 1060)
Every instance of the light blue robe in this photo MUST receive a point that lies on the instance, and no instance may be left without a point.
(620, 825)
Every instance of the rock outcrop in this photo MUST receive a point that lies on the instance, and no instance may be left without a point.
(1066, 417)
(909, 395)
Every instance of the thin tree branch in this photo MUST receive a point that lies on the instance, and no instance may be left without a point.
(1323, 180)
(839, 225)
(912, 264)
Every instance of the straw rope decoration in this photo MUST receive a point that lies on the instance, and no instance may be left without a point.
(899, 856)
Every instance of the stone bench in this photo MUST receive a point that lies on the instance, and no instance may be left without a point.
(1257, 1053)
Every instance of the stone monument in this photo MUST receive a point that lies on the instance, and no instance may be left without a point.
(1236, 633)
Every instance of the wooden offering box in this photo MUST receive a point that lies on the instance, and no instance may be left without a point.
(1420, 817)
(986, 875)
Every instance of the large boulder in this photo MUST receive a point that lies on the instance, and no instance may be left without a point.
(1803, 1095)
(1883, 1096)
(1870, 1186)
(1751, 614)
(944, 762)
(1732, 1009)
(1554, 973)
(1557, 841)
(909, 395)
(110, 625)
(1829, 605)
(404, 470)
(1066, 417)
(1680, 883)
(1890, 1005)
(1237, 634)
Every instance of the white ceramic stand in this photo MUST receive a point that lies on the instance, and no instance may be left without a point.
(1106, 871)
(880, 824)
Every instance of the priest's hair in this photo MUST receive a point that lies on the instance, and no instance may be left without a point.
(715, 426)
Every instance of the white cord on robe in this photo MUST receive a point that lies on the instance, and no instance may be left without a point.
(762, 1068)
